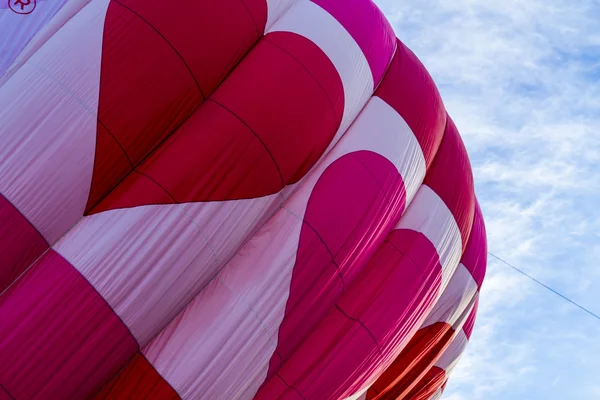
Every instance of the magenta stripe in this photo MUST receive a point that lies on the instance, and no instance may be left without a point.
(58, 338)
(369, 28)
(20, 243)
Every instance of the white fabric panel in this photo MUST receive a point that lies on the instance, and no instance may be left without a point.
(236, 318)
(66, 12)
(275, 9)
(457, 297)
(47, 152)
(343, 51)
(437, 395)
(149, 262)
(450, 357)
(429, 215)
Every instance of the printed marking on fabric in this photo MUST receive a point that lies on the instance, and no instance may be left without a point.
(23, 7)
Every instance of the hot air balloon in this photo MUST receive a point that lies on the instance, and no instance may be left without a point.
(233, 199)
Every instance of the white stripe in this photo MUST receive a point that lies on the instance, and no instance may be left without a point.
(149, 262)
(380, 129)
(457, 297)
(429, 215)
(437, 395)
(51, 104)
(450, 358)
(67, 11)
(307, 19)
(275, 9)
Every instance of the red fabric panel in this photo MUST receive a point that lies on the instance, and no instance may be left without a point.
(450, 176)
(20, 243)
(138, 381)
(146, 89)
(128, 193)
(412, 364)
(211, 36)
(353, 206)
(110, 168)
(280, 91)
(434, 379)
(264, 128)
(214, 156)
(409, 89)
(57, 329)
(156, 71)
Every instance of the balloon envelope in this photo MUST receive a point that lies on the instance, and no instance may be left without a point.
(221, 199)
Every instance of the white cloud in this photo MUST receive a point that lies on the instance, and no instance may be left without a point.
(519, 78)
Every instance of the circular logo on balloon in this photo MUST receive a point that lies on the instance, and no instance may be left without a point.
(22, 6)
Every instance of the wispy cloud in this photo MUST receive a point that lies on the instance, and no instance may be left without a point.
(520, 80)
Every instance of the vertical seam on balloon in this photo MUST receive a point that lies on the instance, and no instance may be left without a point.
(303, 221)
(266, 39)
(404, 253)
(361, 324)
(2, 387)
(290, 386)
(176, 127)
(166, 41)
(387, 68)
(37, 258)
(102, 298)
(258, 32)
(116, 140)
(255, 134)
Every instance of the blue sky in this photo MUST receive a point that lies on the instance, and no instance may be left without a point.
(520, 79)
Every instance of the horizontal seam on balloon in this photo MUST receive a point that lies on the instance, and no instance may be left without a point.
(329, 100)
(258, 32)
(407, 255)
(290, 386)
(363, 325)
(255, 134)
(166, 41)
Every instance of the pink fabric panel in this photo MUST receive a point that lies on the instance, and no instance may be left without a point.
(57, 329)
(369, 28)
(317, 371)
(20, 243)
(450, 176)
(409, 89)
(470, 322)
(379, 311)
(475, 255)
(351, 210)
(396, 289)
(4, 395)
